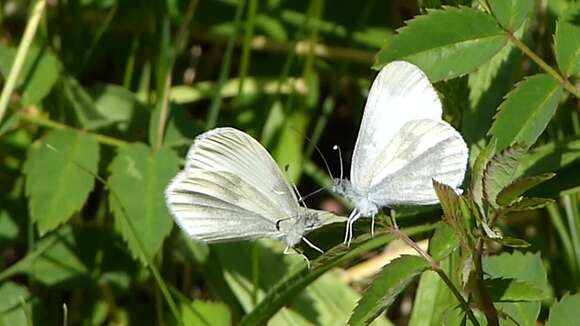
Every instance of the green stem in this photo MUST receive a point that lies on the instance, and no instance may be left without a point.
(27, 38)
(216, 101)
(247, 45)
(180, 42)
(546, 67)
(437, 269)
(46, 122)
(480, 289)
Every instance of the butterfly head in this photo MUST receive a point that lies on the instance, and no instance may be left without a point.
(294, 229)
(361, 201)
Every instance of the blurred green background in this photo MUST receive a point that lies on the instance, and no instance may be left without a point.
(116, 85)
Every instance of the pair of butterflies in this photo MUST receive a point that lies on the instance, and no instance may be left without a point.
(231, 188)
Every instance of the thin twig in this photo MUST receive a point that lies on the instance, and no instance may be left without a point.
(27, 38)
(46, 122)
(546, 67)
(437, 269)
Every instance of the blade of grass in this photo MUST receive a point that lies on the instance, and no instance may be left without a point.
(214, 108)
(573, 217)
(27, 38)
(247, 44)
(556, 219)
(180, 42)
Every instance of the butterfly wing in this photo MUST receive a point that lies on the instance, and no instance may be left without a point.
(230, 189)
(422, 150)
(400, 93)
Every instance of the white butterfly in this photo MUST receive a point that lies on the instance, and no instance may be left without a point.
(403, 144)
(231, 189)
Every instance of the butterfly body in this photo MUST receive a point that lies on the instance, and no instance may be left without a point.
(231, 189)
(403, 144)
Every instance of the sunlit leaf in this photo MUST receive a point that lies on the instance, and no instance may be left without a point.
(526, 268)
(529, 203)
(56, 183)
(12, 297)
(564, 311)
(205, 313)
(511, 290)
(567, 47)
(511, 13)
(386, 286)
(443, 242)
(510, 193)
(138, 179)
(443, 55)
(526, 111)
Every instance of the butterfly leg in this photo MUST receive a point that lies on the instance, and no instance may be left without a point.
(348, 226)
(350, 222)
(311, 245)
(373, 227)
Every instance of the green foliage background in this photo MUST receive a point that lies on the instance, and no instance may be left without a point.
(101, 99)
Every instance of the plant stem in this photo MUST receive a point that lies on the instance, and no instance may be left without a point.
(216, 101)
(546, 67)
(247, 44)
(46, 122)
(437, 269)
(180, 42)
(19, 59)
(480, 289)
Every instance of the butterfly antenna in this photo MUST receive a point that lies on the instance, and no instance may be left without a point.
(337, 148)
(314, 192)
(317, 149)
(311, 245)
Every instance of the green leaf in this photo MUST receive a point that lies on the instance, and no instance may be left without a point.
(119, 105)
(433, 298)
(39, 73)
(512, 242)
(526, 268)
(138, 179)
(511, 290)
(487, 87)
(477, 174)
(500, 170)
(531, 203)
(83, 105)
(56, 183)
(564, 311)
(511, 14)
(474, 39)
(443, 242)
(205, 313)
(526, 111)
(567, 47)
(8, 228)
(12, 312)
(385, 288)
(510, 193)
(291, 285)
